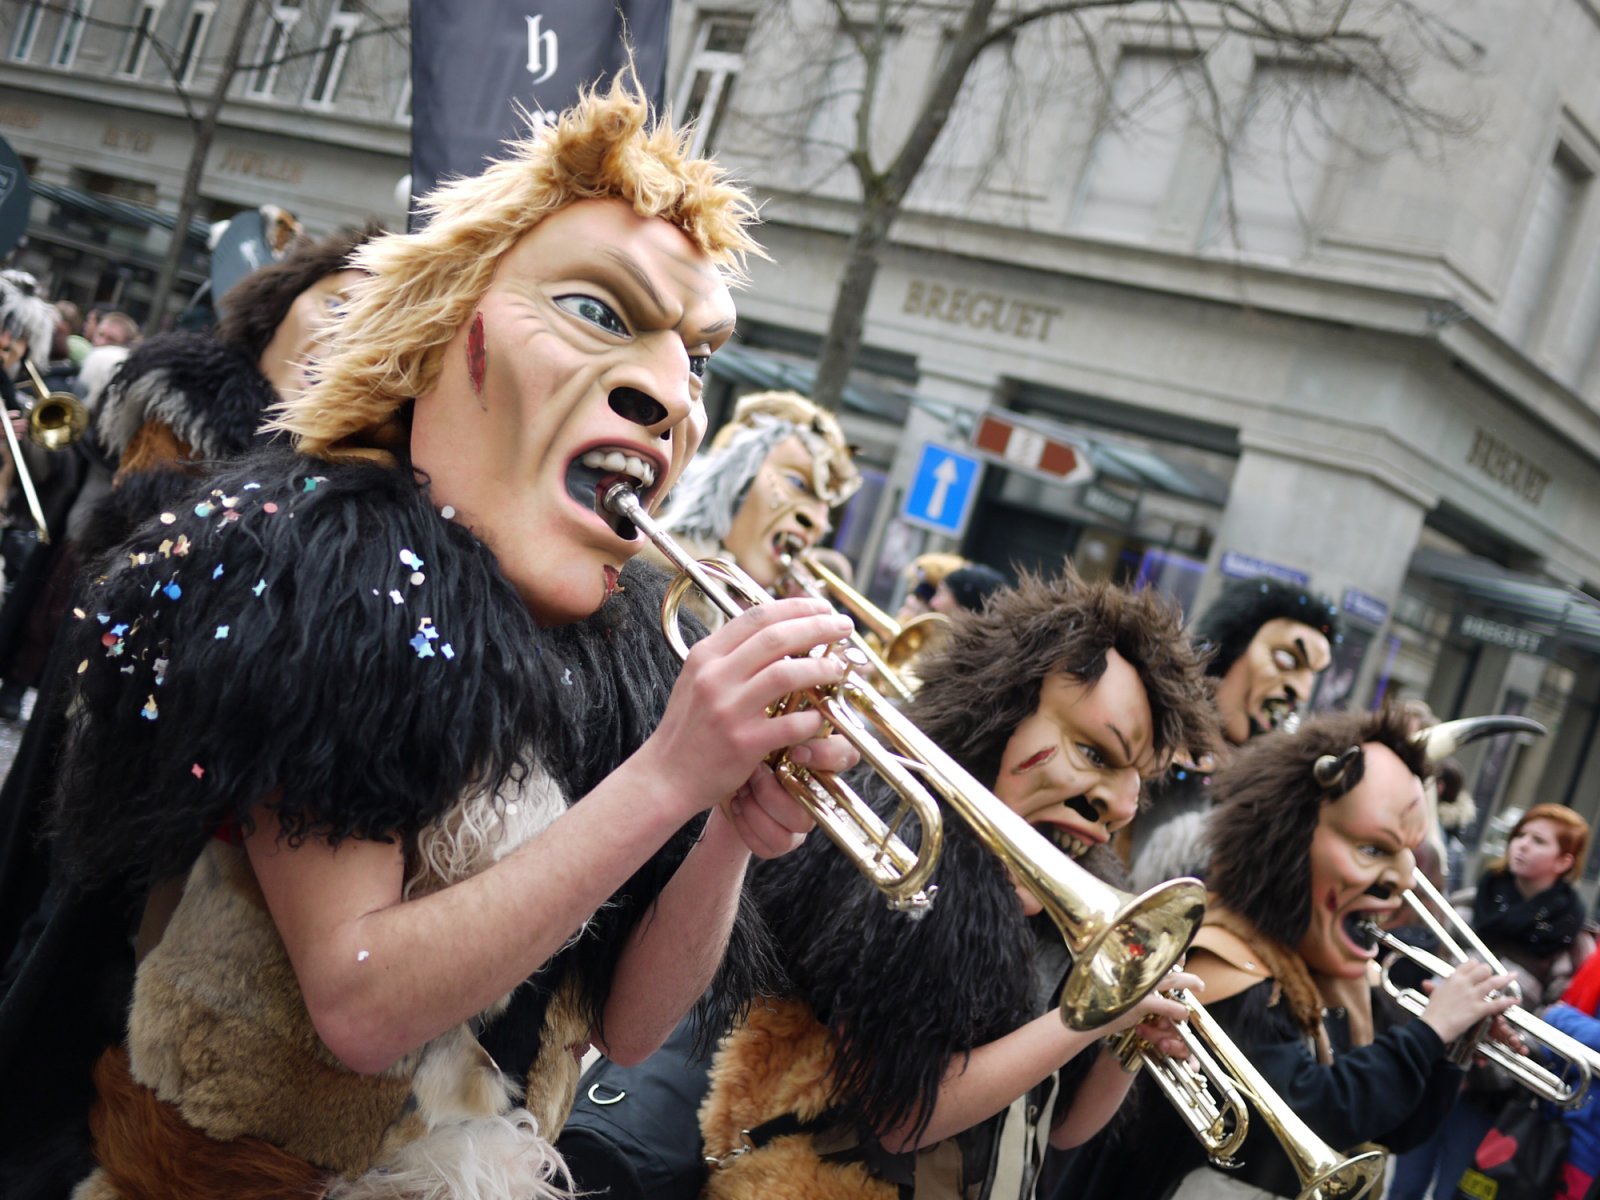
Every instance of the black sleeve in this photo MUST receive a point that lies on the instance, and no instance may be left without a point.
(1385, 1092)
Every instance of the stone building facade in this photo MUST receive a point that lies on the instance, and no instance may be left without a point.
(1322, 351)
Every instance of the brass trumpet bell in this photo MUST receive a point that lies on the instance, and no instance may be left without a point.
(1122, 946)
(892, 659)
(56, 419)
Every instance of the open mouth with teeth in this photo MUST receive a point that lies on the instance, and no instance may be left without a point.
(592, 473)
(1064, 840)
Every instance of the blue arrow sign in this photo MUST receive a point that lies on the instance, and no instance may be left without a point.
(942, 492)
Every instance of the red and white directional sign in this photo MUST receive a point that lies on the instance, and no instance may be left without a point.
(1000, 437)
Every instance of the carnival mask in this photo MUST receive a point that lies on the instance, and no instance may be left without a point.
(1075, 765)
(780, 509)
(580, 366)
(1266, 686)
(1361, 861)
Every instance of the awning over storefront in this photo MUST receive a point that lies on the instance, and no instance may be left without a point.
(120, 212)
(1557, 611)
(1134, 465)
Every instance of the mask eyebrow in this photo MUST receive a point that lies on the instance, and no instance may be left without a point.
(637, 273)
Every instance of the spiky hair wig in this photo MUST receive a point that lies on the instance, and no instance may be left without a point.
(1226, 628)
(389, 342)
(1268, 802)
(707, 498)
(985, 678)
(254, 307)
(25, 314)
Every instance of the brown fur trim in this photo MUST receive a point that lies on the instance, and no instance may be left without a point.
(153, 447)
(789, 1167)
(1283, 966)
(219, 1028)
(553, 1077)
(148, 1152)
(777, 1062)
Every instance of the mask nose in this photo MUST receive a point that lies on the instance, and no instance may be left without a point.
(1117, 799)
(639, 407)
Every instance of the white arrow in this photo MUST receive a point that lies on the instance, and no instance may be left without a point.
(944, 477)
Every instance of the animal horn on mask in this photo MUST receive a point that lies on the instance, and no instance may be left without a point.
(1439, 742)
(1338, 774)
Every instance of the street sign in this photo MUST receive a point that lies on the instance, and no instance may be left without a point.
(1001, 438)
(942, 492)
(1244, 566)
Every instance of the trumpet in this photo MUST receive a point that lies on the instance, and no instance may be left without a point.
(1122, 945)
(901, 643)
(55, 421)
(1574, 1064)
(1210, 1097)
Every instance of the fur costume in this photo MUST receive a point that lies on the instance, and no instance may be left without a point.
(1311, 1036)
(396, 686)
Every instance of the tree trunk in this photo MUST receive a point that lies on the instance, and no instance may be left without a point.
(842, 342)
(189, 198)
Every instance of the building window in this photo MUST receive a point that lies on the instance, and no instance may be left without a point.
(1545, 241)
(276, 33)
(27, 30)
(138, 47)
(73, 21)
(328, 68)
(1131, 164)
(709, 82)
(195, 30)
(1277, 161)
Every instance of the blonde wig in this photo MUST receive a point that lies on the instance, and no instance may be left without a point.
(389, 342)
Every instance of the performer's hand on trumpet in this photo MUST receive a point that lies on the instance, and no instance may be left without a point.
(1157, 1016)
(1470, 995)
(717, 720)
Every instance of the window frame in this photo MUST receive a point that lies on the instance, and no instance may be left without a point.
(74, 19)
(277, 32)
(342, 22)
(190, 53)
(139, 38)
(27, 28)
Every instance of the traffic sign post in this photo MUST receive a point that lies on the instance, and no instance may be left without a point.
(943, 490)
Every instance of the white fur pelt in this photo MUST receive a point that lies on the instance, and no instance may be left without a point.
(487, 1158)
(1174, 849)
(704, 501)
(477, 1145)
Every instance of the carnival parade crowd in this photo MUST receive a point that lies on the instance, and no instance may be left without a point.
(367, 838)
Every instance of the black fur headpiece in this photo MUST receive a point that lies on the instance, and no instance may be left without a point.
(1227, 627)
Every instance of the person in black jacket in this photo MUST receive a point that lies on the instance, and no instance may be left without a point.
(1313, 834)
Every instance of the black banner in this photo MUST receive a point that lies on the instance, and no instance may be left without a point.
(473, 62)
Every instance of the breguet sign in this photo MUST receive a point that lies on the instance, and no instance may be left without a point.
(1507, 467)
(980, 310)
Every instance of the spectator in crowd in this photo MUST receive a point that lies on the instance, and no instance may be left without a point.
(71, 315)
(1577, 1014)
(922, 577)
(1529, 914)
(115, 329)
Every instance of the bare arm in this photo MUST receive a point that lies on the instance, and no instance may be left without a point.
(381, 977)
(995, 1074)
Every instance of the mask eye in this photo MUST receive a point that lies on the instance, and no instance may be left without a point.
(698, 364)
(596, 312)
(1284, 661)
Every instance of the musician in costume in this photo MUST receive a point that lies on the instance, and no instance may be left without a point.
(1312, 834)
(768, 483)
(1266, 642)
(888, 1067)
(181, 404)
(354, 687)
